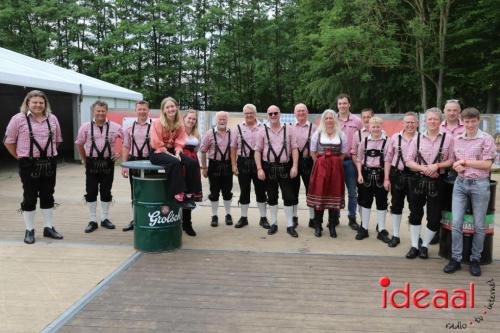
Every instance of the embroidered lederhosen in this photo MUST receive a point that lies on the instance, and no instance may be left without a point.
(306, 163)
(140, 151)
(403, 179)
(277, 169)
(43, 165)
(246, 162)
(427, 185)
(100, 164)
(374, 176)
(222, 167)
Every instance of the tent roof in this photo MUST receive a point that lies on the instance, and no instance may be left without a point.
(20, 70)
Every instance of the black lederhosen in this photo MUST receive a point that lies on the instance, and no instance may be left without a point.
(38, 174)
(220, 175)
(427, 191)
(278, 175)
(100, 170)
(247, 173)
(373, 184)
(137, 154)
(305, 166)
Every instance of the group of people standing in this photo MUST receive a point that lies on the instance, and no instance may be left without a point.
(344, 151)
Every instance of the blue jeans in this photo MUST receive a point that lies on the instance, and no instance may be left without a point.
(350, 182)
(479, 193)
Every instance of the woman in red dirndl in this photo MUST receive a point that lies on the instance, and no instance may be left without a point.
(326, 186)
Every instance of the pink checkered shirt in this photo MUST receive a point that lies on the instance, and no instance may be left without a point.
(250, 135)
(276, 139)
(140, 133)
(392, 150)
(429, 149)
(208, 144)
(349, 127)
(355, 139)
(84, 137)
(460, 129)
(18, 133)
(372, 162)
(481, 147)
(301, 132)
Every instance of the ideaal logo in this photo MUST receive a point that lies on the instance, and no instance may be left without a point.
(440, 299)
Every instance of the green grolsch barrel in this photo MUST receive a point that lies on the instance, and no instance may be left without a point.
(158, 218)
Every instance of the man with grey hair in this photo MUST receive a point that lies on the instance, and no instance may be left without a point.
(216, 144)
(243, 139)
(452, 123)
(429, 155)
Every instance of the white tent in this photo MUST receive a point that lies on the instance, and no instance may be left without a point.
(19, 70)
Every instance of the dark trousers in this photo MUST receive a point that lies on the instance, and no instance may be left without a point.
(220, 180)
(399, 190)
(98, 181)
(273, 182)
(177, 182)
(304, 173)
(245, 180)
(36, 187)
(366, 195)
(417, 201)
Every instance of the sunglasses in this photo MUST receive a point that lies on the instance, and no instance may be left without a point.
(273, 113)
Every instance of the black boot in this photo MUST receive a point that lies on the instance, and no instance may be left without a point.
(318, 221)
(187, 225)
(333, 232)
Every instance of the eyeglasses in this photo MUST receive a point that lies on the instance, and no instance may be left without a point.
(453, 101)
(273, 113)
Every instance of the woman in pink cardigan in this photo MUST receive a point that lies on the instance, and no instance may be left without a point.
(168, 137)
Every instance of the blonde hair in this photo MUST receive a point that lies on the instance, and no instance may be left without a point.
(163, 117)
(376, 120)
(322, 126)
(194, 131)
(35, 93)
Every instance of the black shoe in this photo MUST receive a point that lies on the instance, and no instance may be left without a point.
(475, 269)
(362, 233)
(187, 204)
(333, 232)
(452, 266)
(435, 239)
(393, 242)
(295, 221)
(263, 223)
(129, 227)
(412, 254)
(243, 221)
(311, 223)
(291, 231)
(229, 219)
(424, 252)
(29, 236)
(353, 224)
(272, 229)
(188, 228)
(215, 221)
(91, 227)
(107, 224)
(317, 228)
(51, 233)
(383, 236)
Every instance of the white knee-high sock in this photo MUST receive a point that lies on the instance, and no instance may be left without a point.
(273, 210)
(48, 217)
(414, 235)
(381, 219)
(29, 218)
(244, 210)
(294, 210)
(215, 206)
(365, 217)
(428, 235)
(396, 223)
(227, 206)
(92, 206)
(289, 216)
(311, 213)
(262, 208)
(105, 210)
